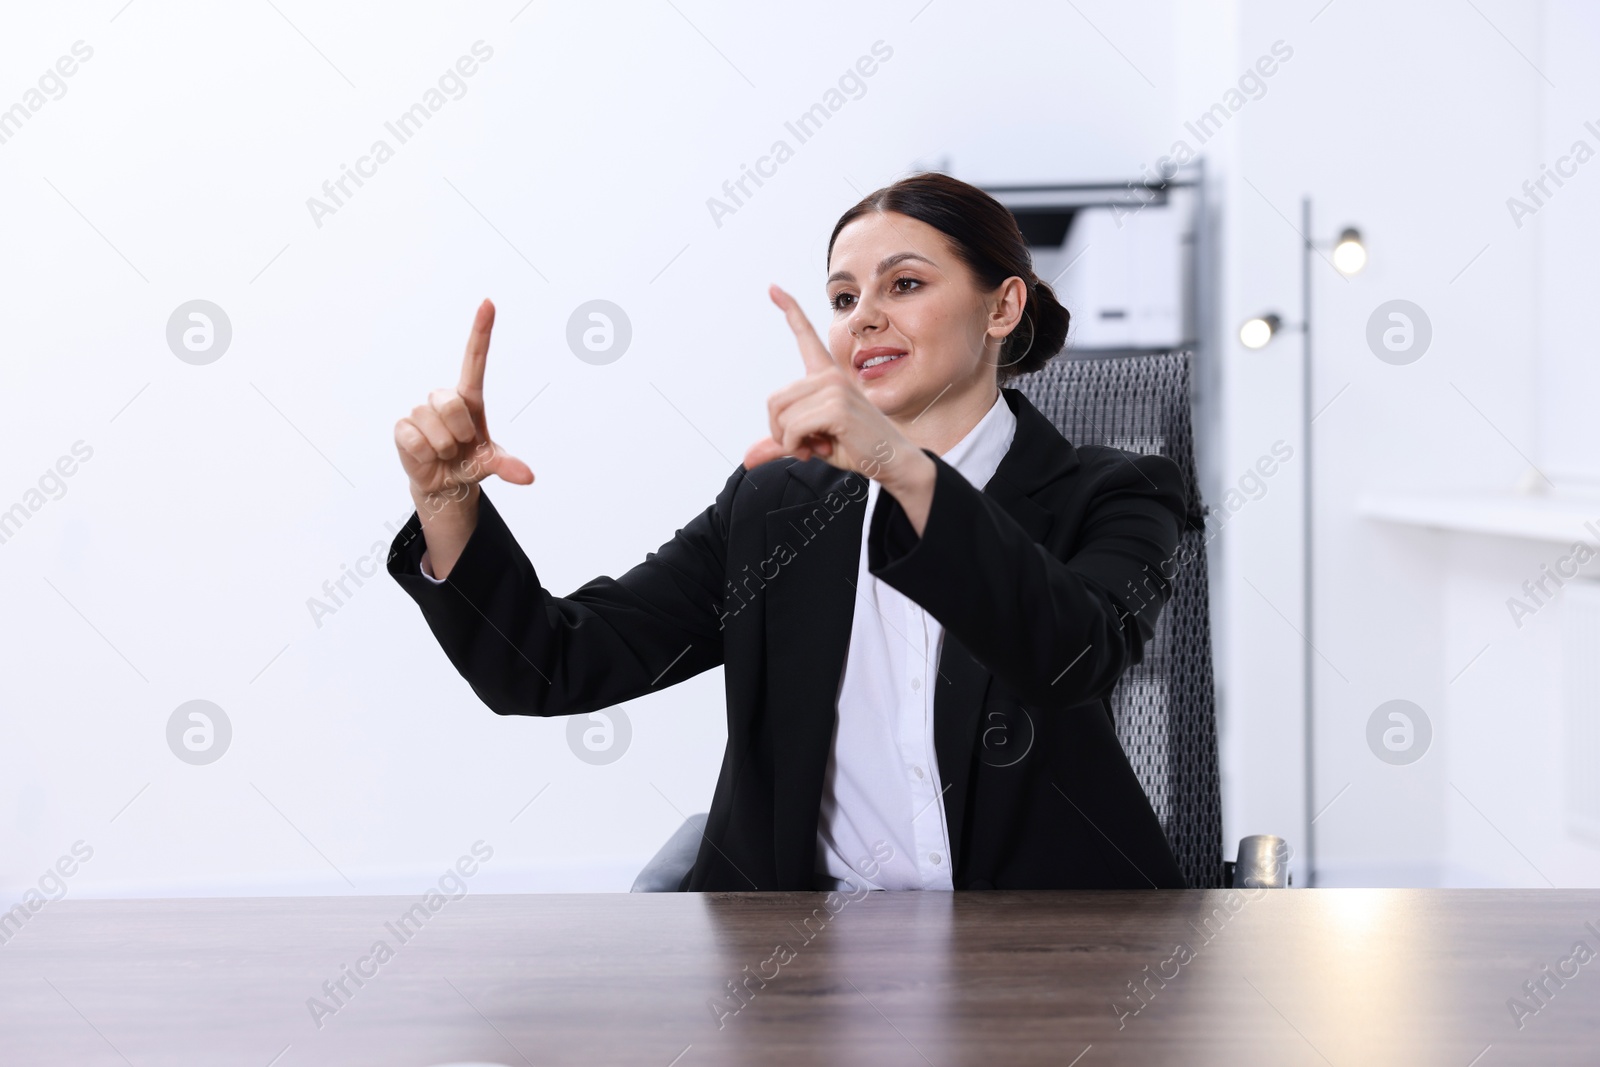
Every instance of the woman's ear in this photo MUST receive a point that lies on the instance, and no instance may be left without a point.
(1006, 307)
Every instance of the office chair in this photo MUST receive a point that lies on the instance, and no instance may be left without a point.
(1164, 708)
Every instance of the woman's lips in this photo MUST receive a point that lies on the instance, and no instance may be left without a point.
(884, 366)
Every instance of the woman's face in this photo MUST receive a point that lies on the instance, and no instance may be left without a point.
(897, 288)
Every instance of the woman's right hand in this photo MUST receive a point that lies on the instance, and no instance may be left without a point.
(444, 444)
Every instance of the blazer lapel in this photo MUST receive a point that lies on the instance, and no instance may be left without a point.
(813, 553)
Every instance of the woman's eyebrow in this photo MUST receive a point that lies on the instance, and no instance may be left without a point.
(888, 261)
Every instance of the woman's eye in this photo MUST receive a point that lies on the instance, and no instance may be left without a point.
(843, 301)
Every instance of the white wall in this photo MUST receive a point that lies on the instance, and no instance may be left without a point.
(1564, 229)
(1513, 740)
(1414, 122)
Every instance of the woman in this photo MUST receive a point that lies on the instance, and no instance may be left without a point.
(921, 593)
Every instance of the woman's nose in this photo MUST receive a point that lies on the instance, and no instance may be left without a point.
(866, 315)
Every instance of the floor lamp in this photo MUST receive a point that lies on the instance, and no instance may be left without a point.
(1349, 256)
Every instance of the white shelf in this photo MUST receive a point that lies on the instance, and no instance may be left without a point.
(1559, 520)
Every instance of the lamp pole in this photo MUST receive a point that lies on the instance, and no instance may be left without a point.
(1349, 256)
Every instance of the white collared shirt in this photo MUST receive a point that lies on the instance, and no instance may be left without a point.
(882, 784)
(881, 795)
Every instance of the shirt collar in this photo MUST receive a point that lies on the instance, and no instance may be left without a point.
(980, 451)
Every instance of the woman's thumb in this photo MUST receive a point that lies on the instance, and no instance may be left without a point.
(507, 467)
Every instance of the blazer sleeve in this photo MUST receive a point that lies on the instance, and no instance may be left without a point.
(1055, 631)
(526, 652)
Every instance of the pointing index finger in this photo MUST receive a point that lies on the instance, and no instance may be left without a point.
(477, 354)
(813, 353)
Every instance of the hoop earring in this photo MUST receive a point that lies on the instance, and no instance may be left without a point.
(1032, 333)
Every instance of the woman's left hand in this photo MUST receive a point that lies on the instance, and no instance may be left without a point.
(827, 414)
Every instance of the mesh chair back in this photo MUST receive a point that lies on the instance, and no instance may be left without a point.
(1165, 707)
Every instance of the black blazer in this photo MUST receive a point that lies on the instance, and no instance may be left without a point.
(1047, 583)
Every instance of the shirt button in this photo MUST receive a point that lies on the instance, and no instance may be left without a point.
(916, 683)
(934, 856)
(919, 771)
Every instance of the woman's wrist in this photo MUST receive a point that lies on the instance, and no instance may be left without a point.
(448, 520)
(458, 500)
(909, 477)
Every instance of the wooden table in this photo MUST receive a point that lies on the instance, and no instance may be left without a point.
(994, 978)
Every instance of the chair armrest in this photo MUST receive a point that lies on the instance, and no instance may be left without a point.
(666, 870)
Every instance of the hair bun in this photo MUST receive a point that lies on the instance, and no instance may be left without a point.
(1038, 337)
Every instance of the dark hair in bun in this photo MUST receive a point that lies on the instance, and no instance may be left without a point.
(985, 235)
